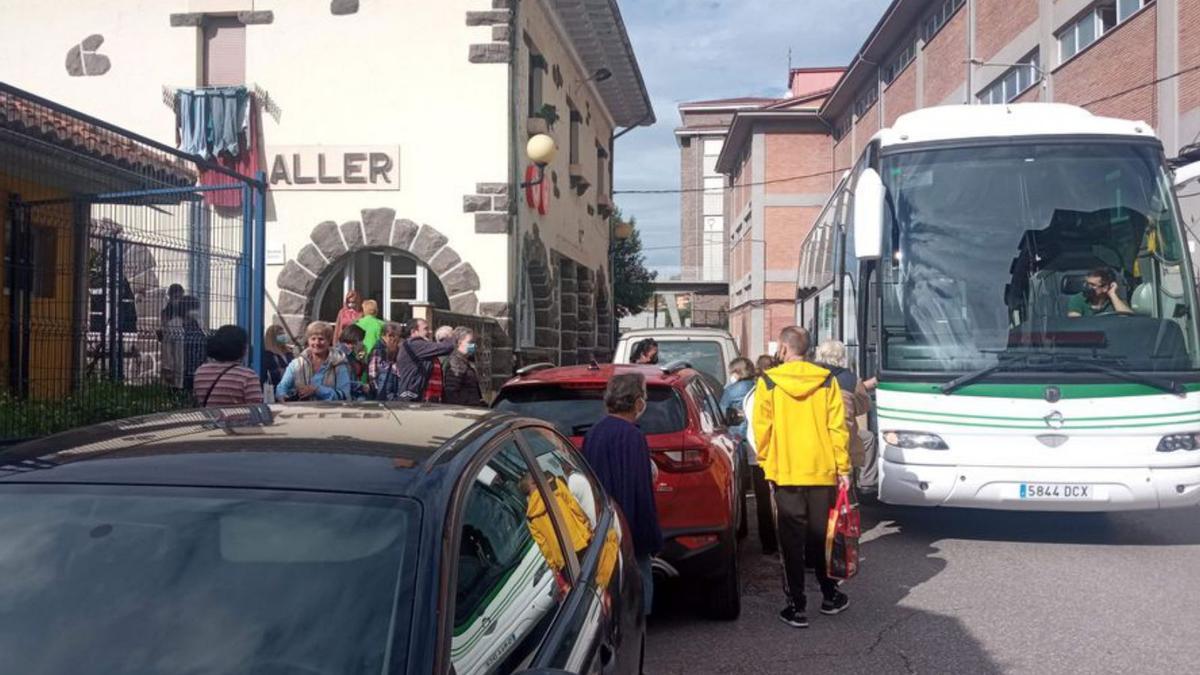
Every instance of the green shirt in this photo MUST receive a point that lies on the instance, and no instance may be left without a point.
(1078, 304)
(373, 327)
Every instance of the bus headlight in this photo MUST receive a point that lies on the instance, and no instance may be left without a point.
(1179, 442)
(910, 440)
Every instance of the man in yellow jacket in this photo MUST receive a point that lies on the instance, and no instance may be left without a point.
(801, 440)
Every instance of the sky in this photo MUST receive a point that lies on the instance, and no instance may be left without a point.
(693, 50)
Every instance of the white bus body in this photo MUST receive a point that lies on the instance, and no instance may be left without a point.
(953, 260)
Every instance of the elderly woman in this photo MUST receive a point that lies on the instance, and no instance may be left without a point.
(832, 355)
(617, 451)
(223, 380)
(460, 385)
(383, 370)
(320, 373)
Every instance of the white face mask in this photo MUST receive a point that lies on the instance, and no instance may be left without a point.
(642, 410)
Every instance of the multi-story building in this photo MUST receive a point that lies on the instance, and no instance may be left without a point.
(1134, 59)
(393, 140)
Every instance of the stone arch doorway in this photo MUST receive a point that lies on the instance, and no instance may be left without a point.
(392, 277)
(305, 279)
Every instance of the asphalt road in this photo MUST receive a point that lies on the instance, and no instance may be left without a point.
(963, 591)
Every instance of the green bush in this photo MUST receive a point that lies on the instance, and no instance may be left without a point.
(96, 401)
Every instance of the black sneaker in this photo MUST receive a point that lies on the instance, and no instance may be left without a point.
(835, 605)
(793, 617)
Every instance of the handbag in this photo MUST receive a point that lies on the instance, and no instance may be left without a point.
(841, 537)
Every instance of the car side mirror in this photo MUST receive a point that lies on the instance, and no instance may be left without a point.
(733, 416)
(868, 215)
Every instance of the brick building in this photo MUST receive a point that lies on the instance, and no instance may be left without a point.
(1133, 59)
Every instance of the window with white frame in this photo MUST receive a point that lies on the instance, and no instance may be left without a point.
(1014, 81)
(940, 17)
(1093, 24)
(892, 69)
(865, 100)
(395, 281)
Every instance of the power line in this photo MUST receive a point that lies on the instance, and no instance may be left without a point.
(675, 191)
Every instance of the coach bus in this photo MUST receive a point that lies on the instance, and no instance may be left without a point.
(1017, 279)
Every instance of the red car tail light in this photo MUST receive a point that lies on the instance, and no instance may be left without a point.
(692, 542)
(689, 458)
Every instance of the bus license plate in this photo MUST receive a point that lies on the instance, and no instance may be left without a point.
(1056, 491)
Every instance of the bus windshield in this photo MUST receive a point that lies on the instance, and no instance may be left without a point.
(1060, 249)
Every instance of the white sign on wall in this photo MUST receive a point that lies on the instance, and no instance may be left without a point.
(333, 167)
(276, 254)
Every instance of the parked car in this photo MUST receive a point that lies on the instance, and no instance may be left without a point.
(700, 509)
(708, 350)
(313, 539)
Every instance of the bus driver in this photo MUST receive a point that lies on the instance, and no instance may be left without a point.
(1099, 296)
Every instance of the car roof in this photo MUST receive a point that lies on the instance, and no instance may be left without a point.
(357, 447)
(600, 374)
(675, 332)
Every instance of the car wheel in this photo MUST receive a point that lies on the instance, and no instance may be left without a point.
(725, 602)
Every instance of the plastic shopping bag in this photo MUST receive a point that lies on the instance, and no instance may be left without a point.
(841, 537)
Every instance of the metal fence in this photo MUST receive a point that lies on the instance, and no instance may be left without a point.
(120, 255)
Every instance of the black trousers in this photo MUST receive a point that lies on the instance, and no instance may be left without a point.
(762, 502)
(801, 516)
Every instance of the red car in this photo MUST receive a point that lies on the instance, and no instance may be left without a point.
(700, 508)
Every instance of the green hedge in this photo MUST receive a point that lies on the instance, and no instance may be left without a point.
(96, 401)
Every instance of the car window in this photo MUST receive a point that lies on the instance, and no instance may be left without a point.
(704, 355)
(562, 462)
(708, 421)
(512, 573)
(189, 580)
(573, 411)
(712, 402)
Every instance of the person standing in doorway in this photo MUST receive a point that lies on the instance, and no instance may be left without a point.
(434, 390)
(223, 380)
(801, 439)
(371, 324)
(617, 451)
(351, 311)
(416, 358)
(462, 380)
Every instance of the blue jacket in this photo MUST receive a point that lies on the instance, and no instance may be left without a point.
(732, 398)
(620, 458)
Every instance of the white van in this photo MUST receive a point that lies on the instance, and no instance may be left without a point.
(709, 350)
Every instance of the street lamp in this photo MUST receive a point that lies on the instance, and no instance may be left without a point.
(618, 231)
(541, 150)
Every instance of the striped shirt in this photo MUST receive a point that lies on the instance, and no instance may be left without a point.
(233, 386)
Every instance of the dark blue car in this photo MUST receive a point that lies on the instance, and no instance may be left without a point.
(313, 540)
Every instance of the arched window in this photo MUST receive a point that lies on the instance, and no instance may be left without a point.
(395, 280)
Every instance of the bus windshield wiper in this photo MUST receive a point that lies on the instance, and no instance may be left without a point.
(1163, 384)
(1003, 362)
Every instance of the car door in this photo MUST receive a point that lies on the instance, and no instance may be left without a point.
(715, 431)
(510, 575)
(600, 629)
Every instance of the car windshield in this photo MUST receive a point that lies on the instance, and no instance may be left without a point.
(704, 355)
(179, 580)
(574, 410)
(994, 251)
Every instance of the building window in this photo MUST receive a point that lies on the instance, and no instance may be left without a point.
(841, 128)
(865, 100)
(224, 47)
(537, 70)
(892, 69)
(526, 316)
(1094, 24)
(940, 17)
(576, 123)
(1014, 81)
(601, 172)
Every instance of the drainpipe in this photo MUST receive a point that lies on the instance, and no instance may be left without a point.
(514, 171)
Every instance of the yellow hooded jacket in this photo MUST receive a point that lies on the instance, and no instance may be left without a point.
(799, 426)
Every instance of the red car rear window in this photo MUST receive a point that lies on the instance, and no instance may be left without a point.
(573, 410)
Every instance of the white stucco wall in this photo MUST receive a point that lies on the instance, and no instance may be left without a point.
(395, 73)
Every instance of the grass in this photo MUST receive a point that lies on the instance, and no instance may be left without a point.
(96, 401)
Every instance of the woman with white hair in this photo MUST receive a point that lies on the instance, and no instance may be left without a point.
(831, 354)
(319, 373)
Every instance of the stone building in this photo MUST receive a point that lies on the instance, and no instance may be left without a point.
(393, 139)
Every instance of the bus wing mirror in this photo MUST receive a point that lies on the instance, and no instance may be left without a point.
(868, 215)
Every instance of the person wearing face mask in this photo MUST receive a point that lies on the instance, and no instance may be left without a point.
(1100, 296)
(460, 380)
(276, 356)
(616, 450)
(799, 424)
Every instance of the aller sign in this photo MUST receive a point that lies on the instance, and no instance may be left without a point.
(333, 167)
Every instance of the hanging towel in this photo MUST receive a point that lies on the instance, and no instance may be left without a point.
(212, 121)
(192, 109)
(246, 162)
(229, 121)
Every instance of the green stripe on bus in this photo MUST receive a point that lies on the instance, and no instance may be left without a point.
(1068, 391)
(1110, 418)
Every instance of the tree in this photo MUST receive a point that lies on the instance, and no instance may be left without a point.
(633, 284)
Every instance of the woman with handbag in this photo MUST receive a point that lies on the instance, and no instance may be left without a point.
(319, 373)
(223, 380)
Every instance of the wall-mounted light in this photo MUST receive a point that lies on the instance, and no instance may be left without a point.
(541, 150)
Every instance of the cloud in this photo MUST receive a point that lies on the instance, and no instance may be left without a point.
(692, 50)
